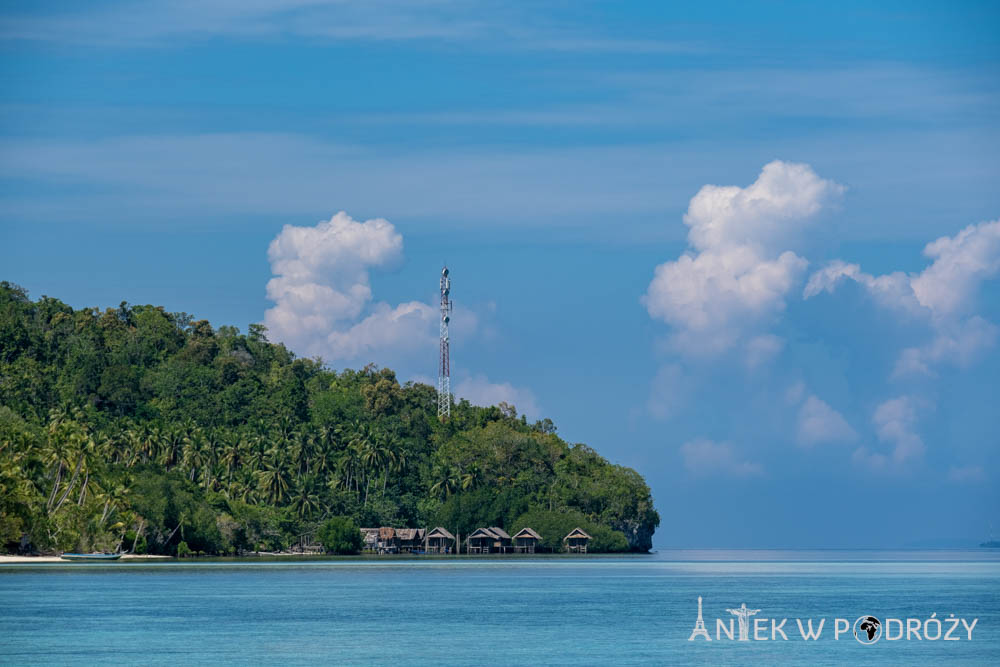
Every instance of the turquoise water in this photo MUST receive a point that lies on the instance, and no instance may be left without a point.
(584, 610)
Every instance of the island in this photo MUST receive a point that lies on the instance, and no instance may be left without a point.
(137, 430)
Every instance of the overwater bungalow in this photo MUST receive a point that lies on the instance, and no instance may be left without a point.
(488, 540)
(387, 543)
(439, 541)
(526, 541)
(409, 539)
(576, 541)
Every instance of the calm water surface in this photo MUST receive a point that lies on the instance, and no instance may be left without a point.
(584, 610)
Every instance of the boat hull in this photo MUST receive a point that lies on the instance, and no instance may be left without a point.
(91, 556)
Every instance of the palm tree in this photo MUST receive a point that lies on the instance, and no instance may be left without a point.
(272, 481)
(471, 478)
(305, 502)
(232, 453)
(447, 482)
(171, 446)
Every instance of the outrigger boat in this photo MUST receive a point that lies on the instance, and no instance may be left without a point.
(91, 556)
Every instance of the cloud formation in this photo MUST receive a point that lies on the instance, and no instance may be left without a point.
(321, 287)
(703, 457)
(739, 269)
(895, 424)
(943, 295)
(480, 391)
(818, 423)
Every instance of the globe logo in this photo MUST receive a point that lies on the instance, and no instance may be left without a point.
(867, 629)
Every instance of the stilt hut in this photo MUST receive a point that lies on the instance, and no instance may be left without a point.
(410, 539)
(369, 539)
(439, 541)
(576, 541)
(488, 540)
(388, 543)
(526, 541)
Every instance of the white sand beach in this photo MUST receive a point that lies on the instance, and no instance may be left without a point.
(57, 559)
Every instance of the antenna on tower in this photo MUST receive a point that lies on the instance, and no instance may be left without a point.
(444, 367)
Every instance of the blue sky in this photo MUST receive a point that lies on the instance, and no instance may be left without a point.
(554, 154)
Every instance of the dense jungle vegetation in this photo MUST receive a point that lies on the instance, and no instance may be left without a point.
(138, 429)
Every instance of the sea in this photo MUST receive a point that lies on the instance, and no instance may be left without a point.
(549, 610)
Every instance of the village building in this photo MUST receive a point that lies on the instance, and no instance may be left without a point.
(387, 543)
(488, 540)
(369, 539)
(410, 539)
(526, 541)
(439, 541)
(576, 541)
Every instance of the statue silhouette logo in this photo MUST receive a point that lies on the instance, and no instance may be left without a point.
(867, 629)
(743, 615)
(699, 626)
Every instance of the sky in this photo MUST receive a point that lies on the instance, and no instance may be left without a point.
(750, 249)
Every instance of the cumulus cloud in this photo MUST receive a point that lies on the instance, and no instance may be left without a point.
(959, 343)
(892, 290)
(321, 288)
(704, 457)
(895, 424)
(480, 391)
(738, 271)
(783, 200)
(960, 264)
(942, 295)
(818, 423)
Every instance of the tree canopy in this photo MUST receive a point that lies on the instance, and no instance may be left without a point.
(137, 428)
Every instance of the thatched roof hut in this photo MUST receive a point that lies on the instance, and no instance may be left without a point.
(387, 540)
(488, 540)
(409, 538)
(576, 541)
(526, 541)
(369, 538)
(439, 541)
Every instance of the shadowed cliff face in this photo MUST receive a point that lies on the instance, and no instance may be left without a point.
(638, 533)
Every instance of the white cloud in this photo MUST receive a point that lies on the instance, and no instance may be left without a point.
(321, 287)
(892, 290)
(406, 327)
(966, 474)
(942, 295)
(737, 274)
(819, 423)
(961, 263)
(957, 343)
(704, 457)
(710, 298)
(895, 423)
(480, 391)
(783, 199)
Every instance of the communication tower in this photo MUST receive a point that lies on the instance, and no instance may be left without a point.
(444, 368)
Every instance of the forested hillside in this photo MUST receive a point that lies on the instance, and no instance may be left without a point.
(137, 428)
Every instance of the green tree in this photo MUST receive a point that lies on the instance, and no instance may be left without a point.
(340, 535)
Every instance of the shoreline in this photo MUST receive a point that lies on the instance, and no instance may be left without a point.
(291, 556)
(57, 559)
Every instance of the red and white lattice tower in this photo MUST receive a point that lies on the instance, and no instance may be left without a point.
(444, 367)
